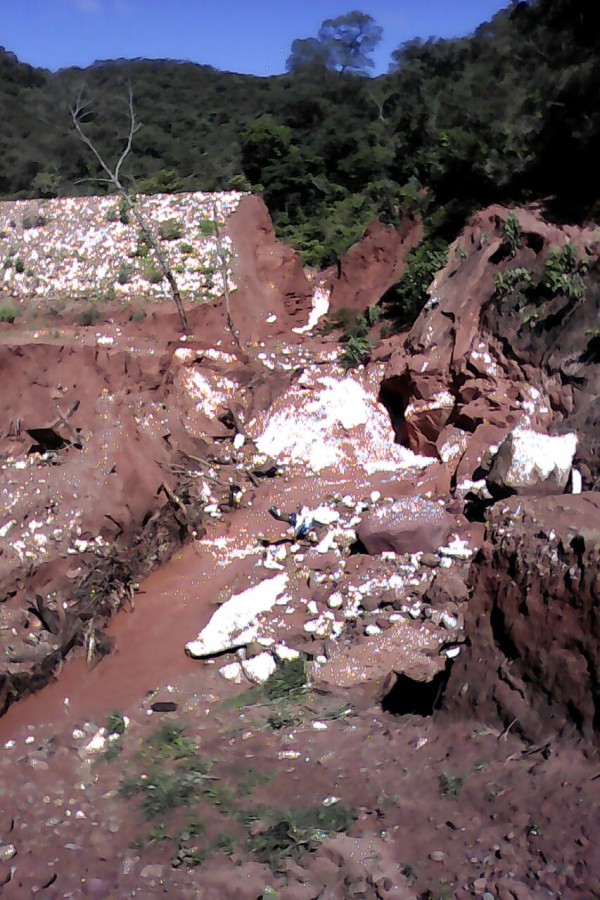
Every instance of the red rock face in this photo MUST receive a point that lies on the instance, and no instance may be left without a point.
(270, 279)
(481, 365)
(532, 620)
(372, 266)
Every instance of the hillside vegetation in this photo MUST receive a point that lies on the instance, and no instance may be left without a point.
(507, 114)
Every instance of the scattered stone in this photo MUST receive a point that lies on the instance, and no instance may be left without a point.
(7, 851)
(164, 706)
(152, 871)
(431, 560)
(408, 525)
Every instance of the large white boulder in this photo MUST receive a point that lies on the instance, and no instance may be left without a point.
(529, 462)
(235, 622)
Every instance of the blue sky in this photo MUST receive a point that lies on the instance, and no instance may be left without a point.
(252, 36)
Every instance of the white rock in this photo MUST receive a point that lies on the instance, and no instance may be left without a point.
(335, 601)
(448, 621)
(324, 515)
(576, 481)
(260, 668)
(232, 672)
(327, 543)
(531, 462)
(457, 549)
(238, 441)
(285, 653)
(320, 307)
(234, 623)
(97, 742)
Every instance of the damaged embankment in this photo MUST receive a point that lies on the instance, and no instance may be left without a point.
(91, 504)
(499, 378)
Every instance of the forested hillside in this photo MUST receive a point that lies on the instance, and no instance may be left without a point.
(509, 113)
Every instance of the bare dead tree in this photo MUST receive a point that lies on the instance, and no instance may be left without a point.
(223, 266)
(113, 177)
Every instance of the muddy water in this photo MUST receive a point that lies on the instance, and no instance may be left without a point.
(171, 606)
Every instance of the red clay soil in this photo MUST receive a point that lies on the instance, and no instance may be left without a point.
(468, 775)
(372, 266)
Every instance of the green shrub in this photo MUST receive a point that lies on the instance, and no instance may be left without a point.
(207, 228)
(89, 316)
(112, 215)
(372, 315)
(143, 246)
(124, 274)
(137, 316)
(153, 274)
(208, 275)
(293, 833)
(506, 282)
(356, 352)
(170, 230)
(184, 247)
(19, 266)
(124, 208)
(8, 313)
(563, 273)
(408, 297)
(511, 232)
(450, 785)
(34, 221)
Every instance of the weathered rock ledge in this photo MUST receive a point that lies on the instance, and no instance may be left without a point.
(532, 620)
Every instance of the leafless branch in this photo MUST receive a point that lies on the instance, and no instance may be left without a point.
(224, 269)
(78, 111)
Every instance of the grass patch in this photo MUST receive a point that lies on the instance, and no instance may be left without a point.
(176, 775)
(206, 227)
(170, 742)
(153, 274)
(293, 833)
(170, 230)
(89, 316)
(250, 780)
(8, 313)
(450, 785)
(163, 790)
(288, 682)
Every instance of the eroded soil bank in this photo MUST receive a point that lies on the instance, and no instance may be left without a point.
(429, 729)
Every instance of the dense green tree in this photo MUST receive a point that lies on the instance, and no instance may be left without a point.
(508, 113)
(344, 44)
